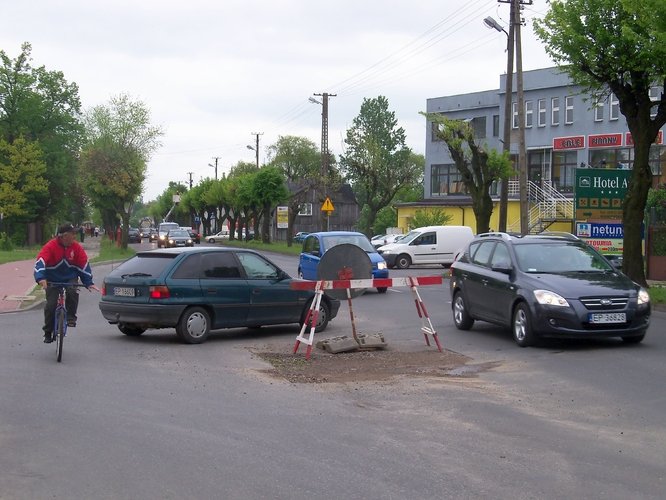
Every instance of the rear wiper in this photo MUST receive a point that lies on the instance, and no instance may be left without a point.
(135, 275)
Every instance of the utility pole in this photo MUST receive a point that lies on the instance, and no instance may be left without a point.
(325, 158)
(522, 153)
(256, 147)
(190, 174)
(216, 158)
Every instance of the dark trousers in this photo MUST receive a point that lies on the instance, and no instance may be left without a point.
(71, 303)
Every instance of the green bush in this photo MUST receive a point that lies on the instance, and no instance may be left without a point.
(6, 243)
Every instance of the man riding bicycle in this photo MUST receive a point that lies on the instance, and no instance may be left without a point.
(62, 260)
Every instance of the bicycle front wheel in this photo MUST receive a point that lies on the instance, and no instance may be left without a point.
(60, 333)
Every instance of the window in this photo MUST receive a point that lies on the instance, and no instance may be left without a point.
(306, 209)
(256, 267)
(219, 265)
(655, 97)
(614, 108)
(496, 125)
(445, 180)
(500, 256)
(427, 239)
(564, 170)
(555, 111)
(434, 129)
(188, 269)
(568, 110)
(599, 111)
(529, 114)
(479, 126)
(541, 113)
(514, 112)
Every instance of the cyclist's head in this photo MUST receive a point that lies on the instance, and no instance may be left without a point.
(66, 228)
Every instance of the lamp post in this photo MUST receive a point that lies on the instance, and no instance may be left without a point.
(216, 158)
(506, 146)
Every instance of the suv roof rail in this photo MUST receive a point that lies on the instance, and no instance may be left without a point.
(496, 234)
(558, 234)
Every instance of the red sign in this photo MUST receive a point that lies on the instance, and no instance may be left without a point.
(659, 140)
(573, 142)
(604, 140)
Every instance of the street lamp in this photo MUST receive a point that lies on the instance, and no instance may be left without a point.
(504, 187)
(252, 148)
(214, 166)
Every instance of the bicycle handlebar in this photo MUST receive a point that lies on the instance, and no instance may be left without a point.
(54, 284)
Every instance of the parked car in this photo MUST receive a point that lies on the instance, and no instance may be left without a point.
(385, 240)
(300, 236)
(316, 244)
(178, 237)
(162, 231)
(133, 235)
(222, 235)
(196, 290)
(546, 285)
(427, 245)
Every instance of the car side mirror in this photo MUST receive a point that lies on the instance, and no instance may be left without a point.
(502, 267)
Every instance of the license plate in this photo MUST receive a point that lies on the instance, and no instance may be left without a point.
(123, 291)
(607, 318)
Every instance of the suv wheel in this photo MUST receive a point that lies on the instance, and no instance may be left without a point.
(461, 317)
(522, 326)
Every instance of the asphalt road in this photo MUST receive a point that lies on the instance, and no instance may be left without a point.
(151, 418)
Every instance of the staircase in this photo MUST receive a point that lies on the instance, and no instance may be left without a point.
(546, 206)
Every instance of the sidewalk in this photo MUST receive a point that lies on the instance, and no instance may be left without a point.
(17, 282)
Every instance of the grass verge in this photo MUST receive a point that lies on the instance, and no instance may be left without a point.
(109, 251)
(19, 254)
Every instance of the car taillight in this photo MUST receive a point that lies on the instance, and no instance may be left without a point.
(159, 292)
(103, 289)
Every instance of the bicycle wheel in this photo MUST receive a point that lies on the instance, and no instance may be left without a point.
(60, 333)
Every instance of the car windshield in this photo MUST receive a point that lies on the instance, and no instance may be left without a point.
(410, 236)
(178, 233)
(560, 257)
(354, 239)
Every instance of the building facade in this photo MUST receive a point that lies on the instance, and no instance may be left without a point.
(564, 130)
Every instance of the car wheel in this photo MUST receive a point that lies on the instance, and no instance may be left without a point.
(522, 326)
(382, 289)
(300, 274)
(194, 325)
(211, 240)
(322, 319)
(131, 330)
(637, 339)
(403, 261)
(461, 317)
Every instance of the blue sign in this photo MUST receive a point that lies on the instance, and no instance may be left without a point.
(601, 230)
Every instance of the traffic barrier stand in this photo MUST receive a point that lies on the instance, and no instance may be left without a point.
(311, 318)
(427, 327)
(426, 324)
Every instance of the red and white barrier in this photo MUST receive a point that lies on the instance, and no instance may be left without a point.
(319, 286)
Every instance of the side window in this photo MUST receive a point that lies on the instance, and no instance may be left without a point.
(256, 267)
(188, 268)
(427, 239)
(482, 254)
(500, 256)
(311, 244)
(219, 265)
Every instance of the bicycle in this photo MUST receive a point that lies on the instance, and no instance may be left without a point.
(60, 325)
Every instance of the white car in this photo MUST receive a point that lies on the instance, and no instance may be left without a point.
(222, 235)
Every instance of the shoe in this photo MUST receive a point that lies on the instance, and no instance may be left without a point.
(71, 323)
(48, 337)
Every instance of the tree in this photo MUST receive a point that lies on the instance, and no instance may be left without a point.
(376, 160)
(300, 162)
(41, 107)
(21, 177)
(478, 168)
(618, 47)
(119, 142)
(432, 217)
(269, 189)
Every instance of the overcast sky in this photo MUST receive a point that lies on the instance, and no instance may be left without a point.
(213, 72)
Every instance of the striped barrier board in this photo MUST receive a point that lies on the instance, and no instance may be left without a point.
(368, 283)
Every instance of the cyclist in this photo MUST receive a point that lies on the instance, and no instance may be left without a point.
(62, 260)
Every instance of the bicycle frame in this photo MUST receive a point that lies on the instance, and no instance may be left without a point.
(60, 316)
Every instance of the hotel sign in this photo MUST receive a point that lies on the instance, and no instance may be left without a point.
(600, 192)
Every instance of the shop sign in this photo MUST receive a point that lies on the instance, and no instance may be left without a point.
(629, 141)
(604, 140)
(572, 142)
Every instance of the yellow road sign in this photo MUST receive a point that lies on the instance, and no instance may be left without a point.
(327, 206)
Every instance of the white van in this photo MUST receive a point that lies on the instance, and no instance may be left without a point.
(427, 245)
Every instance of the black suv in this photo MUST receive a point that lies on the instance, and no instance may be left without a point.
(545, 285)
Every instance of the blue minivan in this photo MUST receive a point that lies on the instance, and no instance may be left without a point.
(316, 244)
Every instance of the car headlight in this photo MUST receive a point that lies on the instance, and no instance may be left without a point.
(189, 241)
(643, 296)
(171, 241)
(162, 237)
(381, 265)
(548, 298)
(386, 252)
